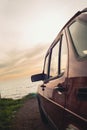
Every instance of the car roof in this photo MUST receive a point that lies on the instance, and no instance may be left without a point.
(75, 15)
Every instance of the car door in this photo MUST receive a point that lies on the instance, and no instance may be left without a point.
(56, 83)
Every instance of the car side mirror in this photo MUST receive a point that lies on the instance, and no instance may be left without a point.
(38, 77)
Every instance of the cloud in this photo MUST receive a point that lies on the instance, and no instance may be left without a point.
(3, 65)
(18, 63)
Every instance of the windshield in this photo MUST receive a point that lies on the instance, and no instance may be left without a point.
(78, 32)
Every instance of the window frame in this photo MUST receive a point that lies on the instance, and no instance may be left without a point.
(59, 56)
(49, 55)
(64, 38)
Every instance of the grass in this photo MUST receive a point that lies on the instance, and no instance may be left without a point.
(9, 108)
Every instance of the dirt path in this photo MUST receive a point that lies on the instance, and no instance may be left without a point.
(28, 117)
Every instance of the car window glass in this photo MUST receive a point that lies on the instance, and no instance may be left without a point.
(63, 61)
(54, 60)
(46, 65)
(78, 32)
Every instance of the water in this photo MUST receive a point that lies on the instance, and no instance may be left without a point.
(17, 88)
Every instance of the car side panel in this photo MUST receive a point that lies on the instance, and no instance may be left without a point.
(76, 109)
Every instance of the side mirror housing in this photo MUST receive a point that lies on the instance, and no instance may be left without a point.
(38, 77)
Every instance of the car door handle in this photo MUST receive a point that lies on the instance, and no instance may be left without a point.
(60, 88)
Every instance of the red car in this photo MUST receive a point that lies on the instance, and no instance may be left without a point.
(63, 95)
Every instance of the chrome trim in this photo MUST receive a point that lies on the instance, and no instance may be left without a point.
(76, 115)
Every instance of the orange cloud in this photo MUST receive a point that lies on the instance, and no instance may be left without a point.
(23, 63)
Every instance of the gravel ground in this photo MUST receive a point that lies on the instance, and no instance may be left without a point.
(28, 117)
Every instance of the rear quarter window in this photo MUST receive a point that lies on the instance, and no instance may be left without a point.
(78, 33)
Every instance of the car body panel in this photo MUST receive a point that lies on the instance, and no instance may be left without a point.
(55, 101)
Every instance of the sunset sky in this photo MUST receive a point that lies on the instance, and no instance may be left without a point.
(27, 28)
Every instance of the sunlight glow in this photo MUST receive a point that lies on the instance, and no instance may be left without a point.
(85, 51)
(26, 29)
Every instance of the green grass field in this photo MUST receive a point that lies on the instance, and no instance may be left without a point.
(8, 110)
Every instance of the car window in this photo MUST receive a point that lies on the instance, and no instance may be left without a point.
(54, 60)
(46, 65)
(64, 52)
(78, 32)
(58, 57)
